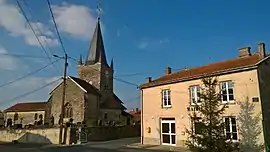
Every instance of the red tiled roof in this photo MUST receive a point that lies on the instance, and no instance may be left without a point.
(135, 113)
(25, 107)
(211, 69)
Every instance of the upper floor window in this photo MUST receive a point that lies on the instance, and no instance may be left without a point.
(230, 128)
(227, 91)
(166, 98)
(194, 94)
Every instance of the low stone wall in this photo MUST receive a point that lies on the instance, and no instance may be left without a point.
(111, 133)
(44, 136)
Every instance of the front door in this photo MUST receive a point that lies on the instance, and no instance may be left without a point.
(168, 133)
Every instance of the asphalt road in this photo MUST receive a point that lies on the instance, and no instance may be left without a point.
(76, 148)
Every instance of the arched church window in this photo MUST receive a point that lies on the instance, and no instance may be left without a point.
(68, 110)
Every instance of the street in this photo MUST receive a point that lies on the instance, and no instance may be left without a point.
(78, 148)
(120, 145)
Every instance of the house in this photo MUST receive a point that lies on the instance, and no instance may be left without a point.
(136, 115)
(90, 97)
(28, 113)
(167, 101)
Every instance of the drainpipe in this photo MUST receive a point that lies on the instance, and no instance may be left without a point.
(142, 127)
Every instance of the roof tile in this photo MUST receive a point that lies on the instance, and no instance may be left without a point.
(29, 106)
(206, 70)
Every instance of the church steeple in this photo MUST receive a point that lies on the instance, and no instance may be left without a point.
(111, 66)
(96, 52)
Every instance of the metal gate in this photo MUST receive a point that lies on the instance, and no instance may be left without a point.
(81, 135)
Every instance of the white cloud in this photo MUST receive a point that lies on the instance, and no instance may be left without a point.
(143, 45)
(7, 62)
(152, 43)
(13, 21)
(76, 20)
(165, 40)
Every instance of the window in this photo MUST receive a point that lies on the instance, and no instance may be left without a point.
(166, 98)
(16, 116)
(36, 116)
(197, 125)
(106, 86)
(227, 91)
(230, 128)
(105, 116)
(194, 94)
(68, 111)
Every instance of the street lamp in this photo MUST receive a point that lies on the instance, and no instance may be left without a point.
(63, 97)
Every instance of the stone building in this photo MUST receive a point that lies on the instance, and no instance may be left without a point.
(25, 113)
(90, 98)
(167, 101)
(2, 119)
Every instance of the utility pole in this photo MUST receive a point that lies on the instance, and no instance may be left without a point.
(63, 98)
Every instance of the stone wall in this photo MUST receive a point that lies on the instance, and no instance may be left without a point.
(44, 136)
(74, 96)
(25, 118)
(111, 133)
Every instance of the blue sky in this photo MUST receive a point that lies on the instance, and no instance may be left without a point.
(143, 36)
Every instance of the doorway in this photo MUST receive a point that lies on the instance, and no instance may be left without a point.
(168, 133)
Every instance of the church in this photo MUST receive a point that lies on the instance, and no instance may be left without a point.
(89, 98)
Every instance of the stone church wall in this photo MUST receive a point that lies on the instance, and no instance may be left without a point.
(74, 96)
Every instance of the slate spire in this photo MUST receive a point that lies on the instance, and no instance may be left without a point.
(111, 66)
(96, 52)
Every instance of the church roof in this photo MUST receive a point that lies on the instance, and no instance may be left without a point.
(28, 106)
(96, 52)
(113, 103)
(85, 85)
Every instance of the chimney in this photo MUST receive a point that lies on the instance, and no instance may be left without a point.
(137, 109)
(244, 52)
(261, 50)
(168, 70)
(149, 79)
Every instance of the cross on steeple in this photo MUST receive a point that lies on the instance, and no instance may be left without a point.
(96, 52)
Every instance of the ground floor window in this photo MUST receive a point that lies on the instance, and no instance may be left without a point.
(230, 128)
(168, 132)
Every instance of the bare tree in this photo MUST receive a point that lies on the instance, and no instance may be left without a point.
(249, 128)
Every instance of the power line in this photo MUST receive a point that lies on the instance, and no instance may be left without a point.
(37, 25)
(27, 75)
(23, 56)
(55, 25)
(34, 32)
(28, 93)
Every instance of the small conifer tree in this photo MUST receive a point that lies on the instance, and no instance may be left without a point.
(207, 126)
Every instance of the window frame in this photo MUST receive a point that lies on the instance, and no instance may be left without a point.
(227, 87)
(166, 98)
(231, 128)
(196, 91)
